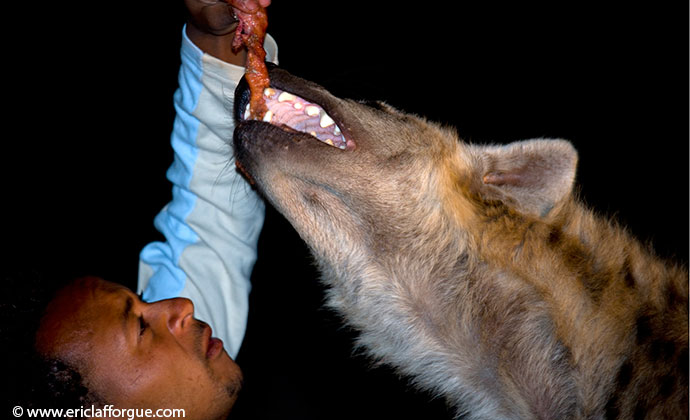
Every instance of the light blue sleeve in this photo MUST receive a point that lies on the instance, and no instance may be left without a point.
(213, 222)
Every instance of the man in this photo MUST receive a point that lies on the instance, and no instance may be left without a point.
(98, 342)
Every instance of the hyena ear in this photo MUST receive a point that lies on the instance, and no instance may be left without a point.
(531, 176)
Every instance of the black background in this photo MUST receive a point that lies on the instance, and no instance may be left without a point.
(88, 113)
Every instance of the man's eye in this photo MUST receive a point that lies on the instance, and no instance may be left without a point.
(143, 325)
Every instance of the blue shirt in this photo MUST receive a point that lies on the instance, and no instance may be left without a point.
(213, 222)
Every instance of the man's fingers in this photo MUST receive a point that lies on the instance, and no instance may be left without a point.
(220, 18)
(249, 6)
(215, 17)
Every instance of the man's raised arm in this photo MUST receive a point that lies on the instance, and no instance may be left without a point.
(213, 222)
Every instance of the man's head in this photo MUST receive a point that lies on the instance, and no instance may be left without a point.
(133, 354)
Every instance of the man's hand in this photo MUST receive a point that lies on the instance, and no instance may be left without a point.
(212, 25)
(249, 6)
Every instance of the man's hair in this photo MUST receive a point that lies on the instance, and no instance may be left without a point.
(36, 381)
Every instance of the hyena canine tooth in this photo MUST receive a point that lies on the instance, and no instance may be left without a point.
(473, 269)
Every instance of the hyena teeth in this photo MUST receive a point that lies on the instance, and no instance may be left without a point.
(268, 116)
(326, 120)
(311, 110)
(285, 96)
(246, 112)
(293, 110)
(269, 92)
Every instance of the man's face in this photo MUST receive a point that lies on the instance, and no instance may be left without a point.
(139, 355)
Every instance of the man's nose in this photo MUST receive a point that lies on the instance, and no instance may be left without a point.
(179, 312)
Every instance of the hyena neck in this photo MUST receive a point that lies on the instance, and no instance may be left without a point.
(594, 256)
(605, 293)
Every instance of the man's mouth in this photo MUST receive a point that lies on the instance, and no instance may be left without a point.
(213, 345)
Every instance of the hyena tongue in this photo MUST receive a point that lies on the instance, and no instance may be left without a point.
(288, 110)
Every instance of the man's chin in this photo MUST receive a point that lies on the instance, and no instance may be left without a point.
(228, 372)
(228, 379)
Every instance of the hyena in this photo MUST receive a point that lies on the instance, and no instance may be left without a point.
(471, 269)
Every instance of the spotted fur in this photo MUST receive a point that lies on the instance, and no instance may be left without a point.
(475, 270)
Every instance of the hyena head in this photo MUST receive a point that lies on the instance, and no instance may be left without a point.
(381, 185)
(470, 268)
